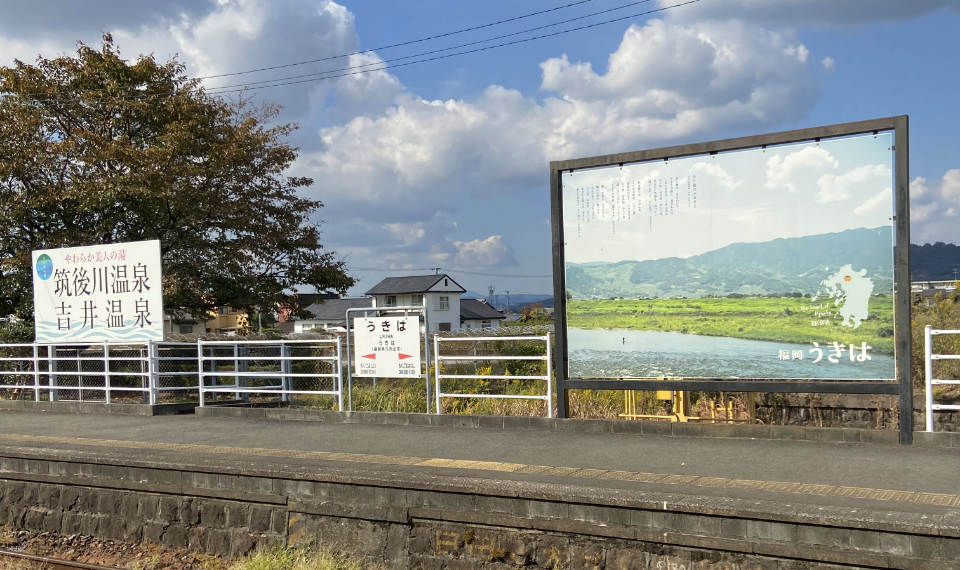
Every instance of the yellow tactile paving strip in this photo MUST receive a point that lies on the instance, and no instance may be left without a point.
(660, 478)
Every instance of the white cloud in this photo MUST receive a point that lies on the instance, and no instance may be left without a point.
(922, 212)
(664, 82)
(834, 188)
(363, 94)
(788, 172)
(950, 186)
(918, 188)
(720, 176)
(490, 252)
(933, 207)
(878, 201)
(828, 63)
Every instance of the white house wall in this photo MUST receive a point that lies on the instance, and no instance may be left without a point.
(476, 324)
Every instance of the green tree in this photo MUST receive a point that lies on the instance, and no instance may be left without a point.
(95, 149)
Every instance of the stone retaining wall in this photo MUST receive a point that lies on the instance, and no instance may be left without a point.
(410, 520)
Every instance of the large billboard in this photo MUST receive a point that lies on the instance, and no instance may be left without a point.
(771, 262)
(98, 293)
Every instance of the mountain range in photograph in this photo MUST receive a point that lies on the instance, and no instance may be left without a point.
(780, 266)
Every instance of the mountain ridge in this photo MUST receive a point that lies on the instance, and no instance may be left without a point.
(780, 266)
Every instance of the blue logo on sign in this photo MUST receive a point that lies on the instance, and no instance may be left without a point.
(44, 267)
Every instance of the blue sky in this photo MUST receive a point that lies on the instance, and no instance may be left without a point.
(445, 163)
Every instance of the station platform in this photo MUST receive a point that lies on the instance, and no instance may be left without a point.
(903, 491)
(823, 473)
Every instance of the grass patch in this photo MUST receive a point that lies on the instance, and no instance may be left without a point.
(285, 558)
(784, 319)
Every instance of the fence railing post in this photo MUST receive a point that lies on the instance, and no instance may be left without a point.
(436, 373)
(286, 368)
(52, 367)
(200, 379)
(36, 373)
(339, 364)
(928, 372)
(153, 371)
(106, 372)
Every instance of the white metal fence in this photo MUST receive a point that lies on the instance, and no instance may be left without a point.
(250, 371)
(98, 372)
(929, 356)
(286, 368)
(467, 352)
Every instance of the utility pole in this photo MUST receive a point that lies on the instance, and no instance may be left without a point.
(508, 300)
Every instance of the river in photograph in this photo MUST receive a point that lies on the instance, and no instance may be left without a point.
(622, 353)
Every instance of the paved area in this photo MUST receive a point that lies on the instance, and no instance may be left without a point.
(896, 478)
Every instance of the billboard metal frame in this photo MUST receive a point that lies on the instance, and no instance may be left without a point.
(902, 386)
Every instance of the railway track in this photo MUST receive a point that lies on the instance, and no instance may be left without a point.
(47, 563)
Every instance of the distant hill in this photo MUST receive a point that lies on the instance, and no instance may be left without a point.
(788, 265)
(935, 262)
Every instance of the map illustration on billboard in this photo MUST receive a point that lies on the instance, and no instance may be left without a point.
(772, 262)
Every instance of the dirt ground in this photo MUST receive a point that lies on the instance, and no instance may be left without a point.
(104, 552)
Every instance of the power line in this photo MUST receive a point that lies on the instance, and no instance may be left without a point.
(224, 90)
(281, 66)
(462, 53)
(426, 52)
(406, 43)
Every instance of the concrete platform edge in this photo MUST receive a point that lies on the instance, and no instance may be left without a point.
(216, 478)
(98, 408)
(672, 429)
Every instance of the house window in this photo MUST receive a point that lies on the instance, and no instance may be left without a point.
(444, 327)
(485, 324)
(416, 300)
(445, 305)
(186, 329)
(391, 301)
(224, 310)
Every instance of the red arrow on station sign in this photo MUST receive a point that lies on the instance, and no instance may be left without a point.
(371, 356)
(402, 356)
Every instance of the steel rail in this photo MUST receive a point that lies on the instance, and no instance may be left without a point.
(49, 563)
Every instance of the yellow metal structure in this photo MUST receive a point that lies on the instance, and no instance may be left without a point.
(677, 404)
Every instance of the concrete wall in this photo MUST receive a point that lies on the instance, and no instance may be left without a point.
(406, 520)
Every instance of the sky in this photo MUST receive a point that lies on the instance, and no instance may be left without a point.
(445, 163)
(690, 206)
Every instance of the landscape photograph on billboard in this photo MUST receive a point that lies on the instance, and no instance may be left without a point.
(766, 263)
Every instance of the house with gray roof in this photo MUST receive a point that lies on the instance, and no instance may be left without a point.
(331, 314)
(440, 294)
(477, 314)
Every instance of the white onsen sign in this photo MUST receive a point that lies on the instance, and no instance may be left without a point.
(387, 347)
(98, 292)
